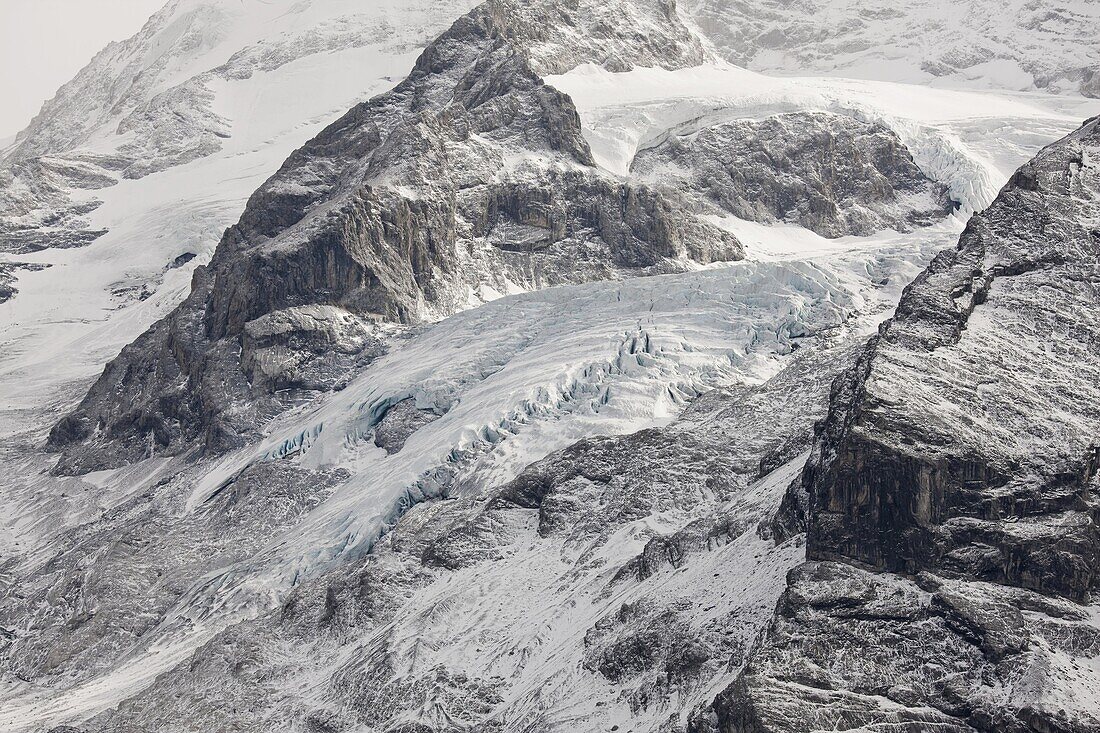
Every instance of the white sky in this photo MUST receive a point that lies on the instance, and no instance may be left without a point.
(43, 43)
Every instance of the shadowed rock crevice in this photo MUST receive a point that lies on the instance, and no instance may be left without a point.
(960, 441)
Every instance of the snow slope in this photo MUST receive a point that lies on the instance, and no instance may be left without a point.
(519, 378)
(284, 70)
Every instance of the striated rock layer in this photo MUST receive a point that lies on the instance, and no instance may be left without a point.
(968, 440)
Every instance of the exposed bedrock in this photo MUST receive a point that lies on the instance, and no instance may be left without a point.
(951, 498)
(850, 649)
(831, 173)
(360, 630)
(112, 581)
(470, 174)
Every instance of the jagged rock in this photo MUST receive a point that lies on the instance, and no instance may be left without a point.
(618, 35)
(830, 173)
(472, 171)
(36, 208)
(309, 347)
(958, 443)
(966, 439)
(399, 423)
(151, 547)
(651, 650)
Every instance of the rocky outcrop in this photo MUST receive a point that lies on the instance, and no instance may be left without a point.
(618, 35)
(959, 455)
(37, 209)
(553, 556)
(8, 276)
(399, 423)
(831, 173)
(79, 614)
(471, 174)
(966, 440)
(851, 649)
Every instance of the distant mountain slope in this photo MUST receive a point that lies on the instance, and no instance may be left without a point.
(471, 176)
(233, 87)
(995, 44)
(167, 96)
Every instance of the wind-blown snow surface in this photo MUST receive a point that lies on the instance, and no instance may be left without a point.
(511, 381)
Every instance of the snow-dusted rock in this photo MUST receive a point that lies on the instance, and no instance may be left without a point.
(574, 508)
(1000, 44)
(966, 440)
(830, 173)
(397, 212)
(960, 451)
(852, 649)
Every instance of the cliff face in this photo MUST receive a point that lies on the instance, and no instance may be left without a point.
(959, 461)
(830, 173)
(384, 498)
(966, 440)
(166, 97)
(470, 178)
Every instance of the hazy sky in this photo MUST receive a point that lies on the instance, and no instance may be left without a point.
(43, 43)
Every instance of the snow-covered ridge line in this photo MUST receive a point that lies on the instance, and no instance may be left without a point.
(1008, 45)
(507, 384)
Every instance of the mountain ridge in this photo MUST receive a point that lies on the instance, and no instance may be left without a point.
(495, 410)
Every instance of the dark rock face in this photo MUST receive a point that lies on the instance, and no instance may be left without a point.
(966, 439)
(8, 277)
(639, 638)
(470, 173)
(830, 173)
(38, 211)
(306, 348)
(399, 423)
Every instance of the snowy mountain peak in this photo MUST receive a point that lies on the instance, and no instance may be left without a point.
(420, 367)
